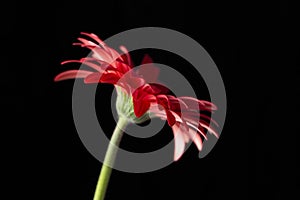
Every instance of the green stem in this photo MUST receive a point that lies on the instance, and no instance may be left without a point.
(110, 159)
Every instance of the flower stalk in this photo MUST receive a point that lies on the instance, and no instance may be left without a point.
(110, 158)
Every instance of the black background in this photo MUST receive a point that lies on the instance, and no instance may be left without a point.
(255, 46)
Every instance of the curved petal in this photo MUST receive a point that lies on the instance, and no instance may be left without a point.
(147, 70)
(71, 74)
(211, 130)
(82, 61)
(195, 138)
(70, 61)
(140, 107)
(133, 82)
(141, 91)
(177, 105)
(197, 129)
(170, 118)
(209, 104)
(101, 54)
(93, 78)
(159, 88)
(195, 116)
(163, 100)
(128, 58)
(108, 76)
(147, 60)
(113, 53)
(197, 104)
(94, 37)
(179, 141)
(142, 104)
(87, 42)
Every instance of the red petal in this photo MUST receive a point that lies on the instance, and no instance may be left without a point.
(101, 54)
(94, 37)
(138, 93)
(128, 58)
(159, 88)
(109, 76)
(70, 61)
(199, 130)
(87, 42)
(171, 118)
(141, 104)
(163, 100)
(177, 104)
(195, 138)
(122, 67)
(111, 51)
(147, 88)
(211, 130)
(140, 107)
(93, 78)
(196, 116)
(115, 65)
(93, 65)
(209, 104)
(194, 103)
(134, 82)
(83, 61)
(148, 71)
(147, 59)
(71, 74)
(178, 142)
(149, 98)
(115, 55)
(142, 91)
(209, 119)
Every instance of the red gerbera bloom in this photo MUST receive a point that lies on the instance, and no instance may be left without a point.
(138, 100)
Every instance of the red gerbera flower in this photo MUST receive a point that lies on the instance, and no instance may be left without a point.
(138, 100)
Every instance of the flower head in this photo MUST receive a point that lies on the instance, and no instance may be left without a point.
(139, 100)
